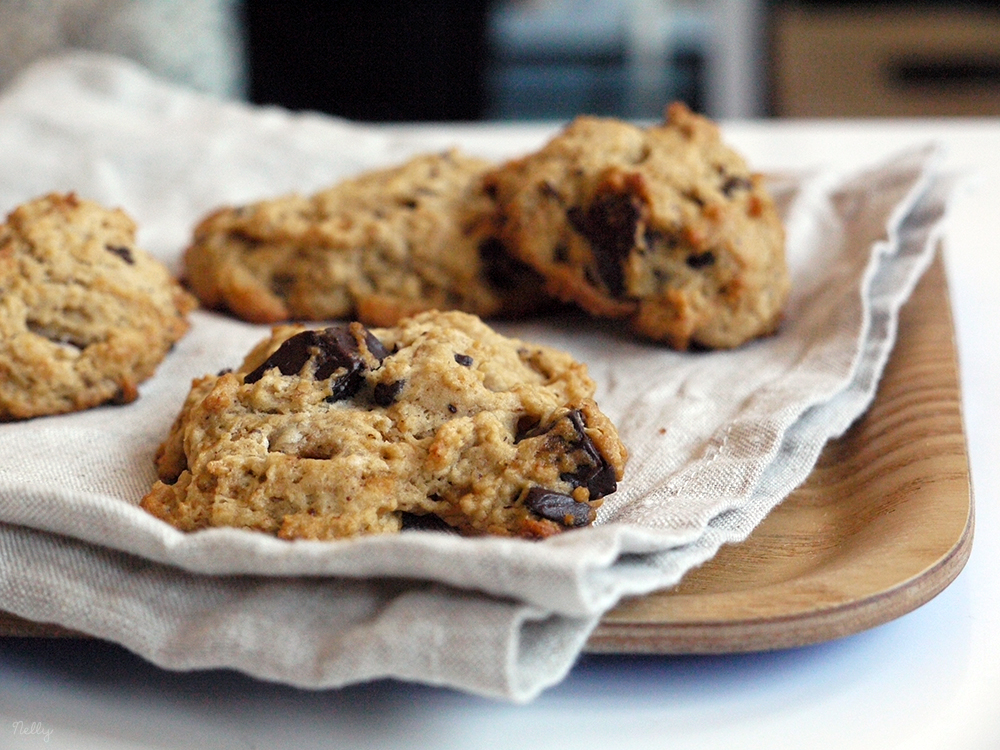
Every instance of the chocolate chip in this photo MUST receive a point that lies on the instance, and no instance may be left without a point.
(331, 349)
(527, 426)
(122, 252)
(452, 408)
(464, 359)
(609, 225)
(701, 260)
(500, 268)
(427, 522)
(385, 394)
(557, 507)
(593, 471)
(732, 184)
(578, 219)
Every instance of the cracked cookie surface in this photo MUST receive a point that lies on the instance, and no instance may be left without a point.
(85, 315)
(340, 431)
(381, 246)
(663, 226)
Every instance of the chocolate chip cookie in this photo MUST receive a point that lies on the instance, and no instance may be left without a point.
(663, 226)
(85, 315)
(339, 431)
(378, 247)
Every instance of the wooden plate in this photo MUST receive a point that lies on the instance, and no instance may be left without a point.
(882, 525)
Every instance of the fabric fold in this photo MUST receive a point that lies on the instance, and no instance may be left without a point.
(717, 439)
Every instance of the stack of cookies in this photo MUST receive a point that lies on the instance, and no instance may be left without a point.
(416, 414)
(663, 227)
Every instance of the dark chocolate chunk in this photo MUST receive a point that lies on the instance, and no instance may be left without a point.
(427, 522)
(452, 408)
(527, 426)
(385, 393)
(593, 471)
(557, 507)
(464, 359)
(732, 184)
(332, 350)
(122, 252)
(609, 224)
(501, 269)
(701, 260)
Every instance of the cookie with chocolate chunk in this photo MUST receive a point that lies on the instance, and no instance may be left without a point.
(383, 245)
(85, 315)
(663, 226)
(340, 431)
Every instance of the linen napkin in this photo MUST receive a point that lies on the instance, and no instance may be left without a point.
(716, 439)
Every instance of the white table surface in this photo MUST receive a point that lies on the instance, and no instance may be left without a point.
(930, 679)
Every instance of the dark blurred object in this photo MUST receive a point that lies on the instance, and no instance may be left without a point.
(553, 60)
(913, 59)
(375, 60)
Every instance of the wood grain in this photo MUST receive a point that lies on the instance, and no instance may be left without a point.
(881, 526)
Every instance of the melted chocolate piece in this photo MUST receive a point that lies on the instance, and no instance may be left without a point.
(557, 507)
(331, 350)
(464, 359)
(527, 426)
(428, 522)
(385, 394)
(502, 270)
(593, 472)
(609, 225)
(122, 252)
(701, 260)
(592, 469)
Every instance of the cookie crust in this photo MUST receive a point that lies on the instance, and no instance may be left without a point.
(381, 246)
(85, 315)
(330, 433)
(664, 227)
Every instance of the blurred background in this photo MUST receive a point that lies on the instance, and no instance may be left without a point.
(506, 60)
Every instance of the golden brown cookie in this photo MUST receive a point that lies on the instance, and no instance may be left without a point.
(85, 315)
(341, 431)
(662, 226)
(386, 244)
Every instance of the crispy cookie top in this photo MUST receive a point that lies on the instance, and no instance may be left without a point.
(664, 226)
(341, 431)
(85, 315)
(377, 247)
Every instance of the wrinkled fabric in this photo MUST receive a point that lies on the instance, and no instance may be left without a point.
(716, 439)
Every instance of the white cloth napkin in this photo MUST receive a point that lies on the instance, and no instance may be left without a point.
(716, 439)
